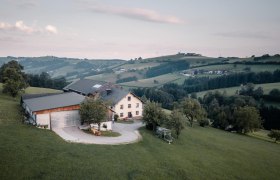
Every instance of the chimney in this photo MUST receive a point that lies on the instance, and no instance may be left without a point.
(108, 91)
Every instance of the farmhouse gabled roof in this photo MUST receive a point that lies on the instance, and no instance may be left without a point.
(86, 86)
(115, 95)
(54, 101)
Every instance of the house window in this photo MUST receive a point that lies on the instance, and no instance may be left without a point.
(129, 105)
(137, 112)
(137, 105)
(121, 114)
(129, 98)
(121, 107)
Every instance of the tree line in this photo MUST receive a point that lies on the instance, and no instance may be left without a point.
(235, 113)
(205, 83)
(221, 107)
(127, 79)
(187, 111)
(167, 68)
(171, 92)
(44, 80)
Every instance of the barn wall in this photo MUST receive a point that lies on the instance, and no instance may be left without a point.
(65, 119)
(68, 108)
(43, 120)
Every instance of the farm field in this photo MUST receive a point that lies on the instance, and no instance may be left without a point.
(239, 67)
(231, 91)
(108, 77)
(138, 66)
(163, 79)
(200, 153)
(112, 77)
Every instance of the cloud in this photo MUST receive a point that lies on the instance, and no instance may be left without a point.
(19, 26)
(51, 29)
(246, 35)
(138, 13)
(25, 3)
(24, 28)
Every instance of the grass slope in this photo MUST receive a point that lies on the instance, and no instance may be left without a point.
(36, 90)
(200, 153)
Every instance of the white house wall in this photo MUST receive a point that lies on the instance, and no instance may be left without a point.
(126, 110)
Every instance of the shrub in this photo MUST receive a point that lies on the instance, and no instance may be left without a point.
(203, 122)
(274, 134)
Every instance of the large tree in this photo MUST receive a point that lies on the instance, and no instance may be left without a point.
(93, 111)
(11, 64)
(153, 115)
(176, 121)
(192, 110)
(246, 119)
(13, 78)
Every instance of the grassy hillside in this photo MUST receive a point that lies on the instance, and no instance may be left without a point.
(36, 90)
(150, 82)
(70, 68)
(239, 67)
(200, 153)
(231, 91)
(199, 64)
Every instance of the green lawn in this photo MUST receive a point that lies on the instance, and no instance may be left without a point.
(27, 152)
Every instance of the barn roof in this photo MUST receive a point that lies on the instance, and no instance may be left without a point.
(53, 101)
(86, 86)
(31, 96)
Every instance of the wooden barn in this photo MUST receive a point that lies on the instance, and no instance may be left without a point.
(53, 110)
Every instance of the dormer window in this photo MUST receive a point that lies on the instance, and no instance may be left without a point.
(129, 98)
(97, 86)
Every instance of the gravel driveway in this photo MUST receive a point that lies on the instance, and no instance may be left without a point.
(129, 134)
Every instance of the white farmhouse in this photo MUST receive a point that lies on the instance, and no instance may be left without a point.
(124, 103)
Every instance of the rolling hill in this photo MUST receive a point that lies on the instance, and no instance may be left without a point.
(70, 68)
(119, 70)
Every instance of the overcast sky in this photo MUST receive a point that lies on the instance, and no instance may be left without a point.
(131, 28)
